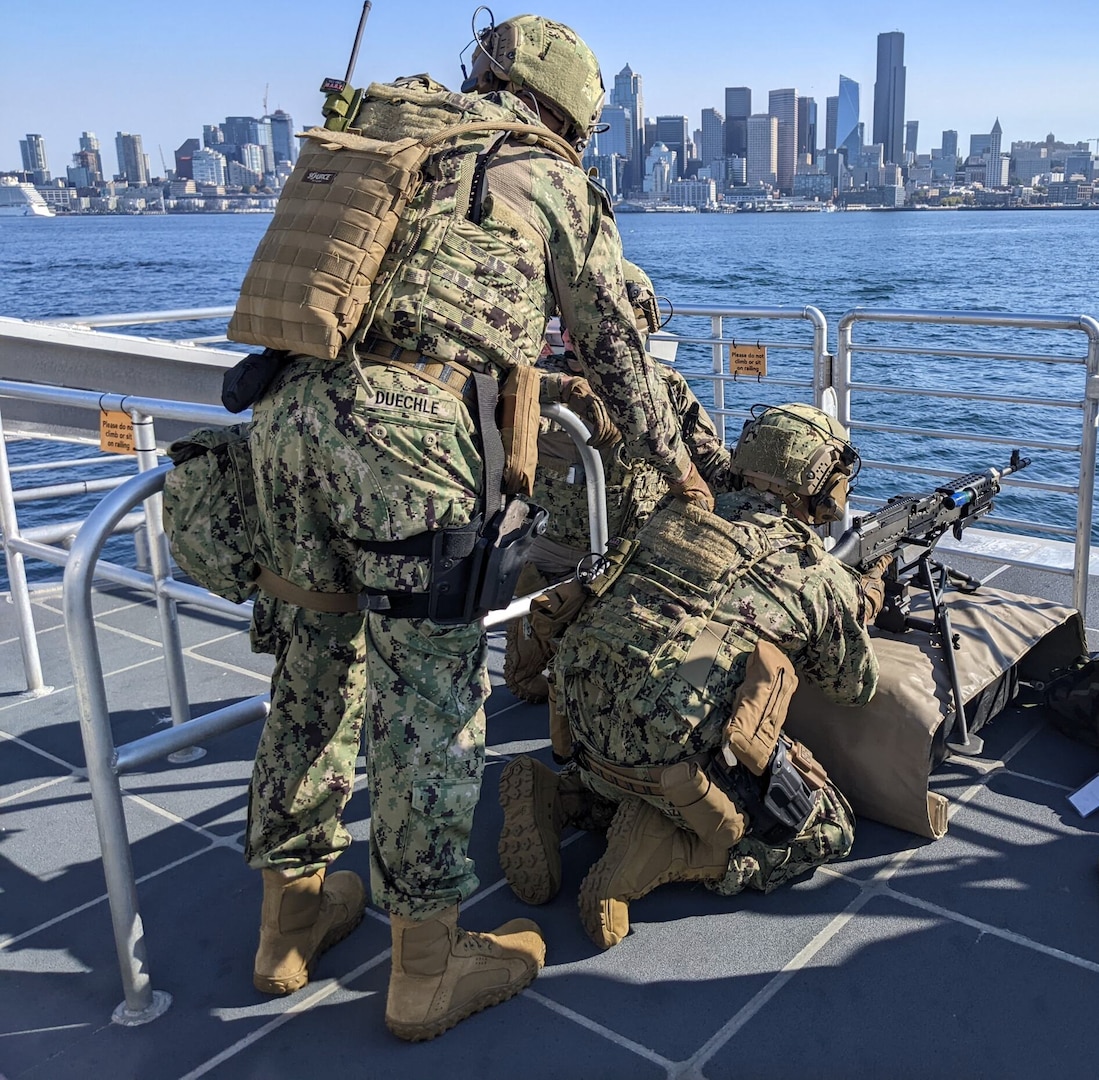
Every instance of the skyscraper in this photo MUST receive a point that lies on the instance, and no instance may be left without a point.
(627, 93)
(185, 157)
(807, 130)
(672, 131)
(738, 107)
(89, 144)
(283, 143)
(994, 176)
(712, 144)
(133, 163)
(783, 104)
(848, 137)
(762, 149)
(950, 144)
(33, 149)
(911, 136)
(831, 108)
(889, 96)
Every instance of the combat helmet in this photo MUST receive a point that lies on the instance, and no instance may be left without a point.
(800, 453)
(642, 297)
(529, 54)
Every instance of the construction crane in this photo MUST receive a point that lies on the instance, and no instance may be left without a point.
(163, 163)
(265, 90)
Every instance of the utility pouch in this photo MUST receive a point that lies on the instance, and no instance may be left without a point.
(704, 806)
(760, 706)
(519, 423)
(245, 383)
(451, 571)
(777, 806)
(498, 558)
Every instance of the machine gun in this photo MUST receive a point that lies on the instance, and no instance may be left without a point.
(908, 527)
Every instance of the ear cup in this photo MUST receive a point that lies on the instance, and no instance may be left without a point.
(828, 504)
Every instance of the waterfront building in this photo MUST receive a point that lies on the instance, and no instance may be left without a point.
(209, 167)
(283, 144)
(184, 156)
(813, 185)
(697, 193)
(672, 132)
(89, 145)
(848, 129)
(807, 131)
(240, 175)
(711, 142)
(736, 171)
(33, 149)
(1029, 162)
(783, 104)
(738, 107)
(1080, 164)
(660, 169)
(627, 93)
(133, 162)
(889, 96)
(762, 168)
(831, 109)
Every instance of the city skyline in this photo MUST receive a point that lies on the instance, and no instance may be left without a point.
(163, 74)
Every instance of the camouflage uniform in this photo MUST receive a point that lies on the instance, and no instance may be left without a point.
(636, 694)
(345, 455)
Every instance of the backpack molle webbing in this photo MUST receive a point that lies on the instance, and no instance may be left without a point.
(310, 281)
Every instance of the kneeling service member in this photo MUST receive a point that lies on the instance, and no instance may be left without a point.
(676, 678)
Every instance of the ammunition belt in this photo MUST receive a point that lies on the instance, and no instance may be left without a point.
(450, 376)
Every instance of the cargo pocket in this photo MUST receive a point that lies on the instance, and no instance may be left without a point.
(439, 825)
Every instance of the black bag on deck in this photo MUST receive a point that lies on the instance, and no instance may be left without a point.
(1072, 697)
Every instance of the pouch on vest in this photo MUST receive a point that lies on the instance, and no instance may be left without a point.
(760, 706)
(519, 423)
(210, 513)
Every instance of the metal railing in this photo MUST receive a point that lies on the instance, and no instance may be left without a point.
(1007, 434)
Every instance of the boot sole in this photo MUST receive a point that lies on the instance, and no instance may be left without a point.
(282, 987)
(423, 1032)
(530, 859)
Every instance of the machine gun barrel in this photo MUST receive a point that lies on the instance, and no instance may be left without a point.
(920, 520)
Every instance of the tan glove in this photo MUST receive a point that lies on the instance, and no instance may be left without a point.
(691, 487)
(872, 589)
(577, 396)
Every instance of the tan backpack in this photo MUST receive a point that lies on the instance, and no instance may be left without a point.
(310, 281)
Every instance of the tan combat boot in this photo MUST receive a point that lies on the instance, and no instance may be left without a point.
(442, 974)
(301, 918)
(644, 849)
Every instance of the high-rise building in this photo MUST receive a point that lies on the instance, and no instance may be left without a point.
(185, 156)
(848, 132)
(831, 109)
(807, 130)
(783, 104)
(738, 107)
(712, 143)
(33, 149)
(911, 136)
(889, 96)
(283, 143)
(627, 93)
(660, 169)
(241, 131)
(672, 131)
(995, 177)
(209, 167)
(618, 138)
(133, 162)
(979, 145)
(762, 150)
(89, 144)
(950, 144)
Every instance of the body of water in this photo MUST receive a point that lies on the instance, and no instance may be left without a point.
(1033, 262)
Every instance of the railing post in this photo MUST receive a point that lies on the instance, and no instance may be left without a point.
(17, 578)
(1085, 499)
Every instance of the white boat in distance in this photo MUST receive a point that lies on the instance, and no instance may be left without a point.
(21, 200)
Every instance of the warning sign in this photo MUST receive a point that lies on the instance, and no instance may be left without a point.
(116, 433)
(748, 359)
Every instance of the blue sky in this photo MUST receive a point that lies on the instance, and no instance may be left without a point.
(162, 70)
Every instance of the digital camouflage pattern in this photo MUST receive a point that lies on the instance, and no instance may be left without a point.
(639, 689)
(344, 454)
